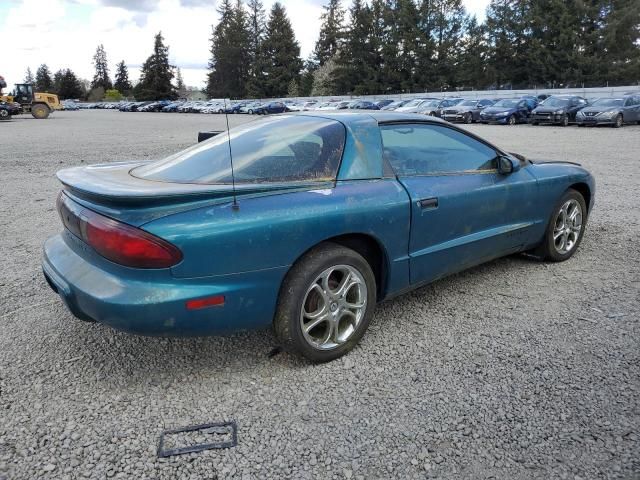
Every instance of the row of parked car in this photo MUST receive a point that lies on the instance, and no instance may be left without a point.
(542, 109)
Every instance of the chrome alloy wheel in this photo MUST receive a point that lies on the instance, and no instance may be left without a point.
(333, 307)
(567, 228)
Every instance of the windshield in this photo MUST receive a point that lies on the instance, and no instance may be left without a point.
(609, 102)
(556, 102)
(413, 103)
(277, 149)
(506, 103)
(468, 103)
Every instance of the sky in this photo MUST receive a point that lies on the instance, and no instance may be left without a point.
(65, 33)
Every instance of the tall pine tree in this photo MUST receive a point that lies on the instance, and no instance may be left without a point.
(101, 76)
(355, 60)
(44, 83)
(122, 83)
(156, 74)
(281, 47)
(331, 32)
(228, 66)
(28, 77)
(257, 27)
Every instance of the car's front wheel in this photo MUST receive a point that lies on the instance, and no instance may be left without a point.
(468, 118)
(565, 229)
(619, 121)
(326, 303)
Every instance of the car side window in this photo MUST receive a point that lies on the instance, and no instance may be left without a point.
(427, 149)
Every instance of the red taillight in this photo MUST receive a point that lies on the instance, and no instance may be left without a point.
(198, 303)
(116, 241)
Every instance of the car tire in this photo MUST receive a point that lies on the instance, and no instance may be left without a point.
(5, 115)
(565, 121)
(534, 124)
(561, 239)
(619, 121)
(468, 118)
(250, 112)
(337, 328)
(511, 120)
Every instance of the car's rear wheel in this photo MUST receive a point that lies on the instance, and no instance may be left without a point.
(511, 120)
(619, 121)
(4, 114)
(326, 303)
(565, 229)
(250, 112)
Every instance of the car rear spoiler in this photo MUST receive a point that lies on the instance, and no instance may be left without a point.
(202, 136)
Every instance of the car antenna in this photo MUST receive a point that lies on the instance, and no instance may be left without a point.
(235, 205)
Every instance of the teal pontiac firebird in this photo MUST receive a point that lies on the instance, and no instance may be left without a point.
(318, 218)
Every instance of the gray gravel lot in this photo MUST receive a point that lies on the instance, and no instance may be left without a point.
(514, 370)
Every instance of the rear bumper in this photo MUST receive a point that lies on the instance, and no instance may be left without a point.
(152, 302)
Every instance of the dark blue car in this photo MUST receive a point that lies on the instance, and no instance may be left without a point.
(327, 214)
(270, 107)
(509, 111)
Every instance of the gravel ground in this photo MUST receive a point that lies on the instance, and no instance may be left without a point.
(516, 369)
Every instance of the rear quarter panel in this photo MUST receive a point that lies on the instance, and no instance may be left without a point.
(275, 230)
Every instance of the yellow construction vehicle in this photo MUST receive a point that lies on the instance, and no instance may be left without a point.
(40, 105)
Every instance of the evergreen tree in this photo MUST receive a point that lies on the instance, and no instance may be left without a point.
(228, 67)
(28, 77)
(323, 79)
(471, 72)
(156, 74)
(281, 47)
(181, 88)
(43, 79)
(507, 26)
(255, 82)
(70, 86)
(621, 41)
(306, 78)
(101, 76)
(443, 31)
(57, 81)
(331, 34)
(122, 83)
(355, 58)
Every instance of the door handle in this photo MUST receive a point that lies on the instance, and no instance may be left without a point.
(427, 203)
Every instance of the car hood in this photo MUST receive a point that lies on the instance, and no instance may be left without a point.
(599, 109)
(498, 109)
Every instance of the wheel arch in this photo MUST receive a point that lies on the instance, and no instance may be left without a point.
(584, 190)
(370, 248)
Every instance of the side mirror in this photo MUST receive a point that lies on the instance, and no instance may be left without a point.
(507, 165)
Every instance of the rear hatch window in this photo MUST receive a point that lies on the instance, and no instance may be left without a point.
(277, 149)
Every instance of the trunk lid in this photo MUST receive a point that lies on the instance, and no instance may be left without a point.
(111, 190)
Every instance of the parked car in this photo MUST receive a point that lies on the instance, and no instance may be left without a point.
(250, 108)
(172, 107)
(508, 111)
(558, 110)
(70, 106)
(271, 107)
(363, 105)
(396, 105)
(414, 105)
(300, 244)
(383, 103)
(434, 108)
(467, 111)
(5, 111)
(611, 111)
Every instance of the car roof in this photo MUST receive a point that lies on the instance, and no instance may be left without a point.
(381, 116)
